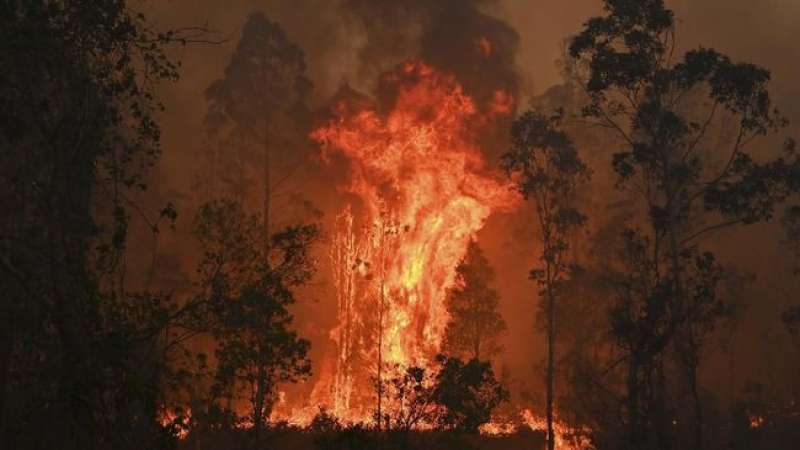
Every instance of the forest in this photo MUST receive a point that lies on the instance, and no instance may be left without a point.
(391, 225)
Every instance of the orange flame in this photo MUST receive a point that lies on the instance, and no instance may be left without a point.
(177, 424)
(566, 437)
(423, 190)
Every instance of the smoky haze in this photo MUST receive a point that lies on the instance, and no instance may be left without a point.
(355, 41)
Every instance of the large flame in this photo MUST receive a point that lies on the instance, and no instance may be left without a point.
(422, 190)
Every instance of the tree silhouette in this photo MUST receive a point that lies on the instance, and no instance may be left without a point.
(475, 324)
(255, 111)
(77, 135)
(791, 315)
(412, 392)
(467, 392)
(248, 293)
(791, 225)
(662, 107)
(548, 170)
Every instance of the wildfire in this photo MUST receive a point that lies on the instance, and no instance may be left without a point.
(566, 437)
(423, 190)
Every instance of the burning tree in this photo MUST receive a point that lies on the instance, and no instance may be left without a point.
(475, 324)
(418, 168)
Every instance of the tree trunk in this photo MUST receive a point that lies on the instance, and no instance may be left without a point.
(66, 212)
(698, 411)
(380, 323)
(258, 407)
(693, 360)
(663, 422)
(633, 403)
(261, 382)
(380, 362)
(551, 334)
(6, 348)
(267, 188)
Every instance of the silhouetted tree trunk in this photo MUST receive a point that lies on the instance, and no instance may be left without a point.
(6, 347)
(261, 382)
(258, 406)
(381, 312)
(551, 364)
(690, 361)
(267, 188)
(476, 346)
(698, 410)
(549, 171)
(632, 399)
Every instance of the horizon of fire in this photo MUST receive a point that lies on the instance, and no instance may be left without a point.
(423, 190)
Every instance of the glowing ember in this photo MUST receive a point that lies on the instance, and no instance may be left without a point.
(756, 421)
(484, 46)
(177, 424)
(423, 191)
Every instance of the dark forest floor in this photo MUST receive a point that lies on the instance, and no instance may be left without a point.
(359, 439)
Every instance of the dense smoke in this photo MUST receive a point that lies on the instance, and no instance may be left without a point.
(455, 36)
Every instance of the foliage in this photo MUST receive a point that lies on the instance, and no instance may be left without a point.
(77, 134)
(412, 392)
(324, 422)
(453, 396)
(85, 362)
(791, 224)
(265, 74)
(663, 108)
(247, 294)
(467, 392)
(475, 323)
(548, 170)
(256, 111)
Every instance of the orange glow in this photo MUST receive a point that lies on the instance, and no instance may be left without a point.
(565, 436)
(502, 103)
(484, 46)
(179, 424)
(756, 421)
(422, 190)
